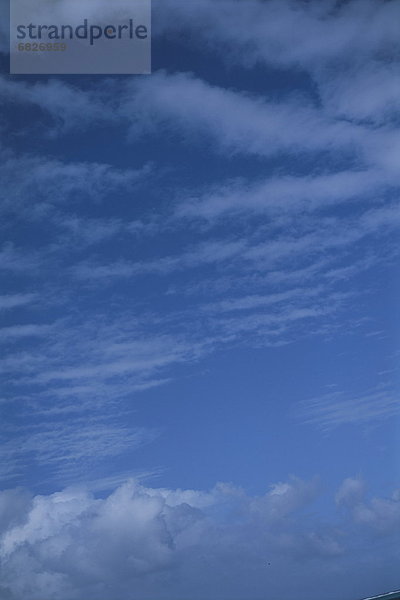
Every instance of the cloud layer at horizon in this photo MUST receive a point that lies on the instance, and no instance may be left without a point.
(140, 541)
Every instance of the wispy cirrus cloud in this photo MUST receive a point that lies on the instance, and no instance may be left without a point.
(14, 259)
(341, 408)
(69, 106)
(283, 196)
(53, 182)
(329, 30)
(207, 253)
(22, 331)
(10, 301)
(236, 122)
(67, 450)
(81, 379)
(327, 41)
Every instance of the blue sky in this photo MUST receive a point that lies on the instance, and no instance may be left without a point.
(199, 321)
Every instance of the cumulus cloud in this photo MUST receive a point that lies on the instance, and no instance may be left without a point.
(139, 541)
(350, 492)
(377, 515)
(381, 514)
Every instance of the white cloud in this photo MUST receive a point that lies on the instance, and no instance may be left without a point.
(16, 260)
(206, 253)
(284, 196)
(380, 514)
(53, 182)
(73, 448)
(236, 122)
(75, 383)
(22, 331)
(367, 94)
(326, 40)
(377, 515)
(257, 301)
(350, 492)
(239, 124)
(69, 106)
(290, 230)
(10, 301)
(164, 543)
(319, 38)
(339, 408)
